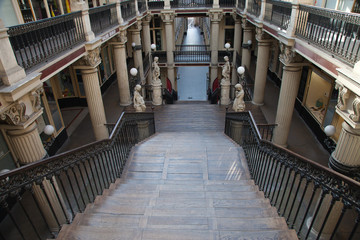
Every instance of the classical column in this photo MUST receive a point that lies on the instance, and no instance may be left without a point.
(147, 42)
(135, 36)
(288, 92)
(215, 18)
(94, 100)
(262, 65)
(237, 49)
(168, 19)
(121, 69)
(246, 48)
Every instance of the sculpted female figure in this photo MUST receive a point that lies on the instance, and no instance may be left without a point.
(226, 70)
(156, 72)
(139, 103)
(239, 103)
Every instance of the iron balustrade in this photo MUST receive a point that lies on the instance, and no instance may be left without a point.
(36, 42)
(67, 182)
(155, 4)
(315, 200)
(128, 10)
(241, 4)
(227, 3)
(142, 6)
(254, 7)
(192, 53)
(278, 13)
(191, 3)
(334, 31)
(102, 18)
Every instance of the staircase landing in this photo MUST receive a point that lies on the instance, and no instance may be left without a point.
(181, 185)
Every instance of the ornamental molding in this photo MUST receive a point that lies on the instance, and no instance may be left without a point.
(14, 114)
(343, 96)
(356, 108)
(168, 17)
(216, 16)
(122, 37)
(35, 98)
(92, 59)
(261, 35)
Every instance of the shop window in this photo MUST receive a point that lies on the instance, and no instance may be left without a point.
(6, 159)
(229, 36)
(66, 85)
(52, 106)
(318, 95)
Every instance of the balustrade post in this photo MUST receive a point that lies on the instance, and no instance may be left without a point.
(10, 71)
(136, 8)
(236, 131)
(121, 68)
(118, 11)
(288, 92)
(143, 129)
(88, 66)
(290, 31)
(215, 18)
(83, 7)
(167, 4)
(168, 18)
(262, 63)
(216, 4)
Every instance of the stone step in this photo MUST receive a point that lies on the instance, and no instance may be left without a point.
(251, 224)
(247, 235)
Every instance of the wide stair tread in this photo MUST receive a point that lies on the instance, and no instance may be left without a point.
(194, 189)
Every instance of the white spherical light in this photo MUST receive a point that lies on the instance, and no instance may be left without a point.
(329, 130)
(249, 42)
(133, 72)
(153, 46)
(133, 44)
(241, 70)
(227, 45)
(49, 130)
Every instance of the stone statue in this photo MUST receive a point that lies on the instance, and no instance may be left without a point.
(226, 71)
(156, 72)
(139, 103)
(239, 103)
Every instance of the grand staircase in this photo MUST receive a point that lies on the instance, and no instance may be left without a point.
(189, 183)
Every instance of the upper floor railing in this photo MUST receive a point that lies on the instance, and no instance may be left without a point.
(191, 3)
(141, 5)
(102, 18)
(155, 4)
(254, 7)
(278, 13)
(40, 197)
(241, 4)
(128, 9)
(227, 3)
(334, 31)
(35, 42)
(192, 53)
(315, 201)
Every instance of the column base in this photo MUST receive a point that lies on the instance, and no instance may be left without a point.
(257, 104)
(341, 168)
(125, 104)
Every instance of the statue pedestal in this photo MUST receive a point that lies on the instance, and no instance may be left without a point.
(225, 93)
(143, 129)
(157, 96)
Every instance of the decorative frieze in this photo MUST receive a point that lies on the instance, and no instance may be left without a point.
(92, 59)
(216, 15)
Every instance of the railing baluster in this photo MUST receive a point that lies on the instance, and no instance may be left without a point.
(315, 187)
(323, 193)
(19, 198)
(294, 198)
(277, 182)
(353, 231)
(301, 201)
(78, 187)
(5, 206)
(343, 210)
(66, 196)
(58, 198)
(83, 181)
(89, 179)
(72, 190)
(42, 187)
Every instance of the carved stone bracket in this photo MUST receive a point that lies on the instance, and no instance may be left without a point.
(35, 98)
(168, 16)
(356, 107)
(344, 95)
(122, 37)
(288, 55)
(14, 114)
(236, 17)
(137, 26)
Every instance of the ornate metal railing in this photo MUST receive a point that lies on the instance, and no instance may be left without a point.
(191, 3)
(128, 10)
(192, 53)
(155, 4)
(102, 18)
(142, 6)
(278, 13)
(241, 4)
(254, 7)
(37, 199)
(36, 42)
(335, 31)
(315, 201)
(227, 3)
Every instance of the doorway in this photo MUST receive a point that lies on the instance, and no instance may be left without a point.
(191, 83)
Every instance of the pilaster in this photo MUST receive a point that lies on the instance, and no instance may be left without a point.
(168, 17)
(246, 48)
(136, 38)
(237, 48)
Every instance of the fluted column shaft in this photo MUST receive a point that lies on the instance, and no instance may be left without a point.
(237, 50)
(135, 35)
(214, 50)
(289, 88)
(246, 53)
(262, 65)
(346, 156)
(147, 42)
(95, 102)
(122, 74)
(27, 144)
